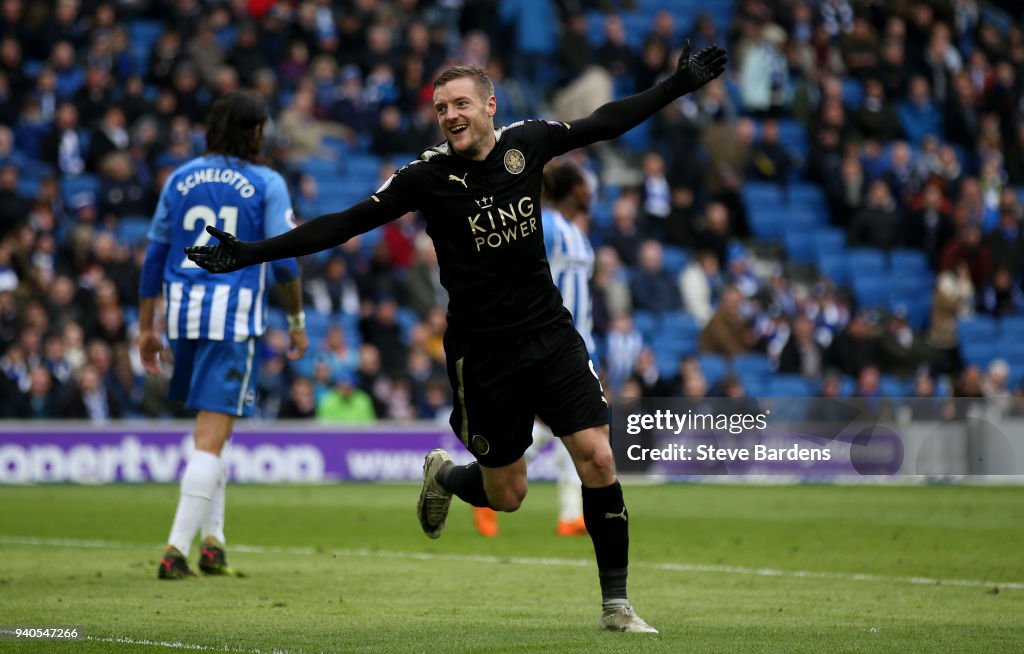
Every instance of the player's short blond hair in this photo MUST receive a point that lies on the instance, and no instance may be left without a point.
(476, 73)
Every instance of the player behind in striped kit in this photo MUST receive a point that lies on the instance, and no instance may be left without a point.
(213, 321)
(566, 199)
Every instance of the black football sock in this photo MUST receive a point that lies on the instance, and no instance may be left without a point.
(465, 482)
(607, 520)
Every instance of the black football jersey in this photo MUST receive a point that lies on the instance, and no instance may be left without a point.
(485, 220)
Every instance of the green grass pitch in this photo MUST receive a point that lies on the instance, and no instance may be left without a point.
(344, 568)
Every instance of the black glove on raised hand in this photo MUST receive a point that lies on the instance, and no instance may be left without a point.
(695, 70)
(229, 255)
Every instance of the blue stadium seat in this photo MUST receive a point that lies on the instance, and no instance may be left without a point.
(867, 260)
(1012, 325)
(638, 139)
(870, 290)
(800, 245)
(892, 386)
(132, 230)
(835, 267)
(363, 167)
(809, 196)
(793, 136)
(647, 323)
(977, 329)
(853, 93)
(84, 184)
(918, 310)
(407, 317)
(321, 167)
(791, 386)
(767, 221)
(978, 353)
(761, 195)
(906, 260)
(753, 365)
(714, 367)
(829, 241)
(680, 323)
(674, 259)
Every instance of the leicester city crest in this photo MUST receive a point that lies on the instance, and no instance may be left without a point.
(515, 162)
(480, 445)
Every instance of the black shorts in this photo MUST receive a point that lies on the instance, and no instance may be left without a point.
(501, 383)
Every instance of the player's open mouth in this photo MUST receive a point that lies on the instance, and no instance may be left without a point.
(458, 129)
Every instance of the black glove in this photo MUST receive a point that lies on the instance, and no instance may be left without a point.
(228, 256)
(696, 70)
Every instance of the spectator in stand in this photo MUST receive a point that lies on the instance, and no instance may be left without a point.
(87, 398)
(969, 249)
(847, 189)
(624, 346)
(382, 330)
(879, 224)
(727, 333)
(609, 289)
(763, 72)
(615, 55)
(953, 299)
(699, 285)
(346, 403)
(769, 159)
(903, 352)
(919, 115)
(802, 355)
(1006, 242)
(930, 227)
(302, 132)
(856, 346)
(63, 147)
(120, 192)
(860, 49)
(715, 234)
(1001, 296)
(652, 287)
(38, 401)
(876, 118)
(655, 195)
(626, 233)
(301, 402)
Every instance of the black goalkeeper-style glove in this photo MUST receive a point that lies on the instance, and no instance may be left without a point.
(229, 255)
(695, 70)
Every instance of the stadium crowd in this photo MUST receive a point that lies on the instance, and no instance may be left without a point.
(890, 136)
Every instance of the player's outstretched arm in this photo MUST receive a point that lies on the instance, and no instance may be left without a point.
(321, 233)
(611, 120)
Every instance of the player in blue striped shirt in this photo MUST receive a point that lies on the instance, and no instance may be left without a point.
(213, 321)
(571, 259)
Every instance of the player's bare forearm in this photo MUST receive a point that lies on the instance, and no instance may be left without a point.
(291, 295)
(321, 233)
(615, 118)
(147, 305)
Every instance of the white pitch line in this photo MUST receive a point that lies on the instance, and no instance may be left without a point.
(191, 647)
(548, 561)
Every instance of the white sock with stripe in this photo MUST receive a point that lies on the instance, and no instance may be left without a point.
(197, 489)
(214, 523)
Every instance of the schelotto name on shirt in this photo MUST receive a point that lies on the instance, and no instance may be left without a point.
(228, 176)
(496, 226)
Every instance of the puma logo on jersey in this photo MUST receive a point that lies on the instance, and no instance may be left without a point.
(620, 514)
(453, 178)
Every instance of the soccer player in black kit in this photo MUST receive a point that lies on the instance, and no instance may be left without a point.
(511, 347)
